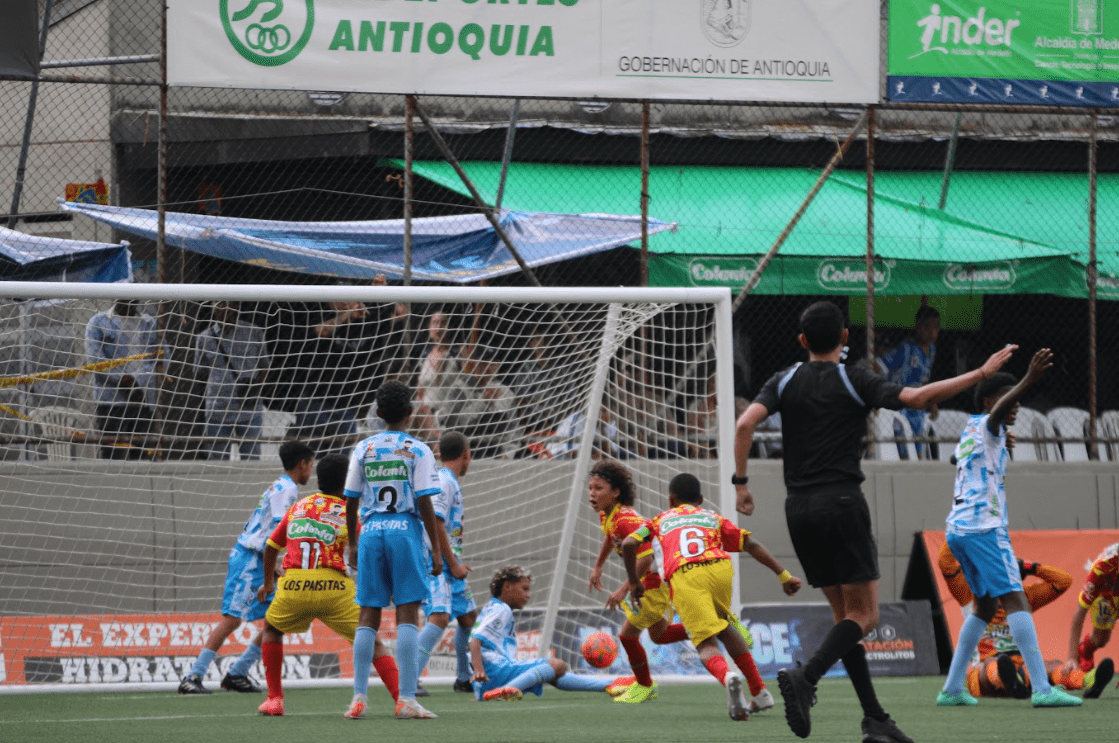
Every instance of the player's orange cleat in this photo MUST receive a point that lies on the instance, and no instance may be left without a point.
(410, 709)
(272, 707)
(618, 686)
(504, 694)
(357, 708)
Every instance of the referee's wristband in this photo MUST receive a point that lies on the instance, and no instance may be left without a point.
(736, 480)
(785, 576)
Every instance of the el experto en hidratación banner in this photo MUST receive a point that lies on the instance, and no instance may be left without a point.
(1042, 52)
(822, 51)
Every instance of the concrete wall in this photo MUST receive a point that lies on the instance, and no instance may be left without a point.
(89, 537)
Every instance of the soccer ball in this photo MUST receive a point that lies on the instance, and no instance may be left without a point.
(600, 649)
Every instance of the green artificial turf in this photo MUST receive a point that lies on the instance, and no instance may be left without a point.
(689, 712)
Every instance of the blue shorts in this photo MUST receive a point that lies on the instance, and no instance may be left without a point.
(449, 595)
(392, 561)
(500, 674)
(988, 562)
(242, 579)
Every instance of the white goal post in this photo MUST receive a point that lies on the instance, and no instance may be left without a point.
(112, 550)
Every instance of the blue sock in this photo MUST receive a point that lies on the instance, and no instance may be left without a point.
(407, 650)
(1025, 635)
(539, 674)
(462, 652)
(575, 682)
(973, 629)
(205, 658)
(429, 637)
(364, 639)
(245, 662)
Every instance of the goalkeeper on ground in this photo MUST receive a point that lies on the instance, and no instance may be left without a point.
(997, 668)
(315, 584)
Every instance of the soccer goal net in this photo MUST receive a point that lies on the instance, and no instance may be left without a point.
(140, 424)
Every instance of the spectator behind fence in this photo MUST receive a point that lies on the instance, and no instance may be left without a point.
(232, 356)
(652, 420)
(345, 352)
(910, 365)
(439, 366)
(126, 393)
(703, 423)
(481, 407)
(539, 383)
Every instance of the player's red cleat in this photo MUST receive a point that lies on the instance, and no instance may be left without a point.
(357, 707)
(272, 707)
(504, 694)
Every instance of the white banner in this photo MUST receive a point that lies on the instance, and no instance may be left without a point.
(747, 50)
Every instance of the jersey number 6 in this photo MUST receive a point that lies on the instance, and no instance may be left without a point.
(692, 543)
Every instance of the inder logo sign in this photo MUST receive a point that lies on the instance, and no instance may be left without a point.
(1045, 52)
(268, 32)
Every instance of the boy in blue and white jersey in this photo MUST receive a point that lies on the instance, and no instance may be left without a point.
(498, 675)
(977, 535)
(450, 593)
(245, 573)
(391, 479)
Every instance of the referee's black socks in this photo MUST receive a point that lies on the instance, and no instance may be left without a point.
(840, 640)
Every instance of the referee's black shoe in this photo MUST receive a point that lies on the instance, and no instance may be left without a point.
(464, 686)
(242, 684)
(885, 731)
(799, 696)
(421, 692)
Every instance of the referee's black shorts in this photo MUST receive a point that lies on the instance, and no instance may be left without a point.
(831, 533)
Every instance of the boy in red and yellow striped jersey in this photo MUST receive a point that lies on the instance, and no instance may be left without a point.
(691, 546)
(611, 492)
(315, 583)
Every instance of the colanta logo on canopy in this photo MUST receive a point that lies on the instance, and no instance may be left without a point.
(268, 32)
(845, 275)
(731, 272)
(980, 276)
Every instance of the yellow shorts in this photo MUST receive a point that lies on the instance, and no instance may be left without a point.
(654, 605)
(1105, 611)
(305, 595)
(701, 595)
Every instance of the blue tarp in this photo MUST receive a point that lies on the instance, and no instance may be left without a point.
(34, 258)
(458, 249)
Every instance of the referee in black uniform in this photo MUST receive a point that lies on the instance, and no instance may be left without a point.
(824, 406)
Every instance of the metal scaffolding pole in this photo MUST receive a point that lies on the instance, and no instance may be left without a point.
(28, 123)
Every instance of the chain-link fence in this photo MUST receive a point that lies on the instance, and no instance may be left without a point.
(994, 216)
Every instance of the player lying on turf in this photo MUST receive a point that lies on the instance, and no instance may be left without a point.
(498, 675)
(997, 668)
(693, 544)
(1100, 598)
(611, 492)
(315, 584)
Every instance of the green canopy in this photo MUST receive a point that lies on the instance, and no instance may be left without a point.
(1002, 233)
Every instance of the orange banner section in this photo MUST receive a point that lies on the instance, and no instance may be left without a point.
(1069, 549)
(145, 648)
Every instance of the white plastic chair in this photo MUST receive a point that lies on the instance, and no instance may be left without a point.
(61, 426)
(1108, 428)
(885, 448)
(948, 424)
(1032, 424)
(275, 427)
(1071, 423)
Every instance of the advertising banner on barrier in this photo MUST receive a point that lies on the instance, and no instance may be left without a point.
(824, 51)
(160, 648)
(1045, 52)
(1071, 550)
(152, 648)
